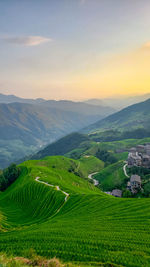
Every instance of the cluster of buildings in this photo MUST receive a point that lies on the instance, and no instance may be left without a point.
(134, 185)
(139, 156)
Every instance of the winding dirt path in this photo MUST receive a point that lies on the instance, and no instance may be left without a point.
(55, 186)
(65, 193)
(95, 182)
(125, 171)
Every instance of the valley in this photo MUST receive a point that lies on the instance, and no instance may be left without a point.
(75, 133)
(27, 127)
(72, 201)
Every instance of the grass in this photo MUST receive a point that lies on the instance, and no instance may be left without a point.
(112, 177)
(90, 228)
(112, 146)
(123, 144)
(121, 156)
(89, 164)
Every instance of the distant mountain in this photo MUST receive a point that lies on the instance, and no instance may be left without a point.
(79, 107)
(12, 98)
(118, 102)
(132, 117)
(110, 103)
(65, 105)
(25, 128)
(95, 101)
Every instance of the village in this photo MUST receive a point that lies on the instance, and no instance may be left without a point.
(138, 156)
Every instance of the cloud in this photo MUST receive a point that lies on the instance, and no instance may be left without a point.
(146, 46)
(26, 40)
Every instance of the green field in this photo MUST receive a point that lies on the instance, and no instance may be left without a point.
(89, 228)
(91, 147)
(112, 177)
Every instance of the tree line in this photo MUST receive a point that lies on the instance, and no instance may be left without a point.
(8, 176)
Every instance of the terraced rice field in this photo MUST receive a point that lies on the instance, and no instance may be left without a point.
(90, 227)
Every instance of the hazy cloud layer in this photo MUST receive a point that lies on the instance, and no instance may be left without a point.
(26, 40)
(146, 46)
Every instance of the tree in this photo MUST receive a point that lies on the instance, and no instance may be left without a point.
(147, 189)
(106, 156)
(127, 193)
(8, 176)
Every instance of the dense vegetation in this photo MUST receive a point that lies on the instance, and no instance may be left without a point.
(106, 156)
(62, 146)
(77, 145)
(112, 177)
(8, 176)
(89, 228)
(115, 135)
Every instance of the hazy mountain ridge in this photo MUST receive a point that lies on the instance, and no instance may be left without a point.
(134, 116)
(12, 98)
(67, 105)
(118, 103)
(25, 127)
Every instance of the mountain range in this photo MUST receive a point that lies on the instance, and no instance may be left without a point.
(131, 122)
(12, 98)
(119, 102)
(26, 127)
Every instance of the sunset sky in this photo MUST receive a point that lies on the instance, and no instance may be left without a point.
(74, 49)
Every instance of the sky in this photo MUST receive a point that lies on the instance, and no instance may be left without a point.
(74, 49)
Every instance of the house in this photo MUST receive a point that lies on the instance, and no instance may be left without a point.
(146, 161)
(135, 183)
(147, 149)
(134, 159)
(133, 150)
(140, 148)
(116, 193)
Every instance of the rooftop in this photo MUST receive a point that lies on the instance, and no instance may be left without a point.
(117, 192)
(135, 178)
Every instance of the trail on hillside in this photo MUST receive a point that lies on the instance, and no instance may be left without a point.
(57, 188)
(96, 182)
(125, 171)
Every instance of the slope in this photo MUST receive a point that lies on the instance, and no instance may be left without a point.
(80, 107)
(24, 128)
(39, 202)
(112, 177)
(63, 145)
(90, 228)
(132, 117)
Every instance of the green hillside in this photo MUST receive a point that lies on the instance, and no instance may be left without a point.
(132, 117)
(63, 145)
(26, 127)
(77, 145)
(89, 227)
(112, 177)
